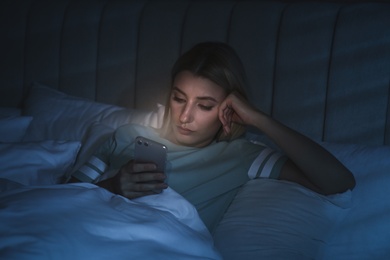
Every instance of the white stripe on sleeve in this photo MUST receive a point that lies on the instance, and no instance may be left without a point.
(266, 172)
(89, 172)
(99, 164)
(252, 172)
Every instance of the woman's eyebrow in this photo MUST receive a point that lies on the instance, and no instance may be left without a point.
(199, 98)
(208, 98)
(179, 90)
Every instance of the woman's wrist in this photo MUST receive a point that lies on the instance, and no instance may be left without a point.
(111, 184)
(259, 120)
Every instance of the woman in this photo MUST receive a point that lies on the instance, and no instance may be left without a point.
(205, 115)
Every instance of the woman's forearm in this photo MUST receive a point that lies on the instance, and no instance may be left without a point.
(319, 166)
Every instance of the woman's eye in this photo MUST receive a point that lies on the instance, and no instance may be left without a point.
(178, 100)
(205, 108)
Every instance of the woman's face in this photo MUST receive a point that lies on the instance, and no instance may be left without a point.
(194, 104)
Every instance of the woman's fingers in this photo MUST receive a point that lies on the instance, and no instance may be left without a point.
(147, 177)
(235, 109)
(225, 116)
(138, 179)
(228, 115)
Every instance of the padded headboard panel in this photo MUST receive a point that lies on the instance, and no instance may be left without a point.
(322, 68)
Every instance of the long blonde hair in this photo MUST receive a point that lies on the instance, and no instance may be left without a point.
(219, 63)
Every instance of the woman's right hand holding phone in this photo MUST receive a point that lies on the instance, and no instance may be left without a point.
(135, 179)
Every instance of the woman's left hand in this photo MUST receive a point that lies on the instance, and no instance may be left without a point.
(235, 109)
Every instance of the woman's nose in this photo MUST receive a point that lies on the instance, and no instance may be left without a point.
(186, 115)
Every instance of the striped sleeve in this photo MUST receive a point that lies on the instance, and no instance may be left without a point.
(98, 163)
(267, 164)
(91, 170)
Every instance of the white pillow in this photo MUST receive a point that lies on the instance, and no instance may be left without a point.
(365, 231)
(58, 116)
(13, 128)
(271, 219)
(37, 163)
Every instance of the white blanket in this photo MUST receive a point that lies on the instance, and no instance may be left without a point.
(83, 221)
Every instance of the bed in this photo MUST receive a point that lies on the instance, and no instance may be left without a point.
(71, 72)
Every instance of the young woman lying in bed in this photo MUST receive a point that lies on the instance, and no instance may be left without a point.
(205, 115)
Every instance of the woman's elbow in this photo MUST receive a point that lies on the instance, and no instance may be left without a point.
(348, 182)
(351, 182)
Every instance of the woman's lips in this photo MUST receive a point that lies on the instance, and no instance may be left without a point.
(184, 131)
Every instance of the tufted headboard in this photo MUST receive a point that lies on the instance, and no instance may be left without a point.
(320, 67)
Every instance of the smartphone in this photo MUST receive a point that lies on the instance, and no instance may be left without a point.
(147, 150)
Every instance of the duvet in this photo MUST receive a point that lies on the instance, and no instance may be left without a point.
(83, 221)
